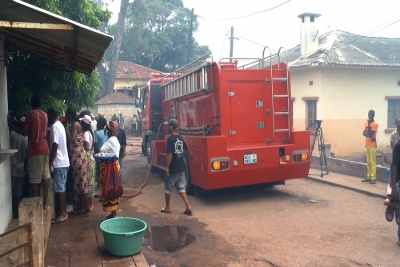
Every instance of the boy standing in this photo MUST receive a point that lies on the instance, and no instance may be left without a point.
(59, 161)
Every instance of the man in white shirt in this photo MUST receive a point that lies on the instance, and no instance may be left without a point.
(59, 161)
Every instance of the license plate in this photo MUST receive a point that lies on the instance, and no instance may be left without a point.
(250, 159)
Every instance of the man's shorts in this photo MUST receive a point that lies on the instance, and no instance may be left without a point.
(60, 179)
(38, 168)
(175, 179)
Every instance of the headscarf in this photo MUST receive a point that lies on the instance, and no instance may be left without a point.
(113, 127)
(86, 119)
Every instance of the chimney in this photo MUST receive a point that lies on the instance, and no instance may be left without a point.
(308, 33)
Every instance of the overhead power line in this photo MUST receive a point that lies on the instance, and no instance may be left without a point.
(252, 14)
(225, 29)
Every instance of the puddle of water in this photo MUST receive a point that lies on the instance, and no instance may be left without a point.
(167, 238)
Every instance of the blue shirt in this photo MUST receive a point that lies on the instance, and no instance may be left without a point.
(100, 138)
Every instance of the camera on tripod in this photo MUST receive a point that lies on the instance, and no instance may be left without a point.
(319, 137)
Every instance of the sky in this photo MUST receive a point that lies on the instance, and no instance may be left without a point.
(277, 23)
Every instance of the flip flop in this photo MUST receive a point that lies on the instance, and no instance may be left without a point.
(58, 221)
(164, 211)
(188, 212)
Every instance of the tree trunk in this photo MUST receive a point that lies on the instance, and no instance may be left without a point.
(108, 85)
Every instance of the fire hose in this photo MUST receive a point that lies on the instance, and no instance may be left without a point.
(148, 172)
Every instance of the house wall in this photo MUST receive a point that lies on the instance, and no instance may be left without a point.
(127, 112)
(345, 96)
(5, 172)
(129, 83)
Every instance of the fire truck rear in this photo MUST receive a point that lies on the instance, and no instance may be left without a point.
(236, 123)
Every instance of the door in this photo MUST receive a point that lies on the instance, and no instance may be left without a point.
(250, 120)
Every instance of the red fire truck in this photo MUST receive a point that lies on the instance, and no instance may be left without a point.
(236, 122)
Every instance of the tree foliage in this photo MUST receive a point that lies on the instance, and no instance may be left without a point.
(157, 34)
(29, 75)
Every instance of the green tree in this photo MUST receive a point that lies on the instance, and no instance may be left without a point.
(108, 74)
(157, 35)
(31, 75)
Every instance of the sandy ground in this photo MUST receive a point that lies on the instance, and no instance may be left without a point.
(278, 226)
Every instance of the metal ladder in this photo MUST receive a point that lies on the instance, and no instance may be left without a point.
(283, 80)
(189, 80)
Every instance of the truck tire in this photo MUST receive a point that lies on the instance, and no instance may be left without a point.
(189, 186)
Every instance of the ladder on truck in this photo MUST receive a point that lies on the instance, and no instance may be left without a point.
(190, 79)
(283, 80)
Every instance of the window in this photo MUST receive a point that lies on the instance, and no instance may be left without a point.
(393, 112)
(311, 115)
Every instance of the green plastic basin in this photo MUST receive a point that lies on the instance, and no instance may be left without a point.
(123, 236)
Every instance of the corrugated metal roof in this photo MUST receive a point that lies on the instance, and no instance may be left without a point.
(116, 98)
(130, 70)
(347, 49)
(340, 48)
(79, 49)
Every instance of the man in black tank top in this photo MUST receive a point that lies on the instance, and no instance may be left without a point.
(175, 168)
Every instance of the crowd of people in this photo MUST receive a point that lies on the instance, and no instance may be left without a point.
(63, 148)
(71, 149)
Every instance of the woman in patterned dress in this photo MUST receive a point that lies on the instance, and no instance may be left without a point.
(78, 160)
(88, 141)
(110, 171)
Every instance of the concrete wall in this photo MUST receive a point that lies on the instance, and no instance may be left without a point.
(5, 172)
(345, 96)
(350, 168)
(127, 111)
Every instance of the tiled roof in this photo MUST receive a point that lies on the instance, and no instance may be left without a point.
(116, 98)
(130, 70)
(344, 48)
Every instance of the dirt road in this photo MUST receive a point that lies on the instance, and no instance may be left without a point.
(278, 226)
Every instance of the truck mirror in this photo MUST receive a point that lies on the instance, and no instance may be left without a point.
(137, 102)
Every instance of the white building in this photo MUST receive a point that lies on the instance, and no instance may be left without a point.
(338, 77)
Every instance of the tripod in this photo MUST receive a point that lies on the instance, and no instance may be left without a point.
(318, 135)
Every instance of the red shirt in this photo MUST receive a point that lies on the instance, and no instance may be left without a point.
(36, 128)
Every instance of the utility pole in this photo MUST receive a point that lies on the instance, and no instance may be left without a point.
(190, 41)
(232, 40)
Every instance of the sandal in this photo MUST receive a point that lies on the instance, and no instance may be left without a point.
(78, 211)
(58, 220)
(86, 212)
(389, 213)
(188, 212)
(165, 211)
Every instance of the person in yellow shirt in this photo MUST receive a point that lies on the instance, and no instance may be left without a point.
(370, 130)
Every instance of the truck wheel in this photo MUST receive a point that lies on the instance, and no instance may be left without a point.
(189, 186)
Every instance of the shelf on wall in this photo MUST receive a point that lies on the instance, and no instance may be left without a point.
(6, 153)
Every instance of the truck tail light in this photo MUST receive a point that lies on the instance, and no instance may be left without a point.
(300, 156)
(220, 164)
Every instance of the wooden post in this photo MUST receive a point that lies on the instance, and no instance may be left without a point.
(30, 210)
